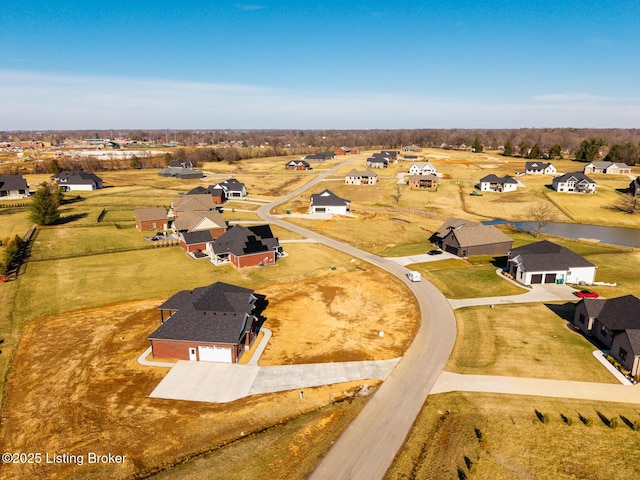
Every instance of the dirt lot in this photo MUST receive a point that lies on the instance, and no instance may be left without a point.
(75, 386)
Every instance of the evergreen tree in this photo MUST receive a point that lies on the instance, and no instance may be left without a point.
(588, 149)
(535, 151)
(627, 153)
(508, 149)
(477, 146)
(555, 151)
(44, 205)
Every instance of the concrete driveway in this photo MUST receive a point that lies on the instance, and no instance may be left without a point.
(215, 382)
(538, 293)
(423, 258)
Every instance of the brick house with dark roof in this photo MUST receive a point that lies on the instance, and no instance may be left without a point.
(245, 247)
(215, 323)
(547, 262)
(218, 194)
(614, 323)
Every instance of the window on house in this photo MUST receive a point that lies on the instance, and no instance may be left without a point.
(582, 318)
(603, 330)
(622, 354)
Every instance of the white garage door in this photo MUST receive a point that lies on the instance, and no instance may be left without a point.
(214, 354)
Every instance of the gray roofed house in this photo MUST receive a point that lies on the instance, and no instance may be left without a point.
(607, 167)
(13, 187)
(634, 187)
(217, 193)
(615, 323)
(245, 247)
(539, 168)
(78, 180)
(465, 241)
(547, 262)
(451, 222)
(214, 323)
(328, 202)
(575, 182)
(181, 169)
(493, 183)
(378, 160)
(233, 188)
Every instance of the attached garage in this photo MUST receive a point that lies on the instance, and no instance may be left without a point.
(215, 354)
(550, 278)
(536, 278)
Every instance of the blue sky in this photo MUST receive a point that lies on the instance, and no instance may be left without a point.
(343, 64)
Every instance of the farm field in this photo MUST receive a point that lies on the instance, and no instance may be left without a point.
(485, 436)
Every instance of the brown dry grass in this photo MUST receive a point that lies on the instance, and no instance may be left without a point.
(75, 385)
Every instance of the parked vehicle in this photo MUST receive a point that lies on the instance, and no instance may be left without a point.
(414, 276)
(434, 252)
(586, 294)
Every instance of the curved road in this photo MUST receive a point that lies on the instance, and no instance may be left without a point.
(369, 445)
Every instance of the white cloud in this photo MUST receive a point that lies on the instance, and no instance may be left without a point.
(32, 101)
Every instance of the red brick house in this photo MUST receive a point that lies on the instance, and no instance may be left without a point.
(218, 194)
(152, 218)
(253, 246)
(298, 165)
(215, 324)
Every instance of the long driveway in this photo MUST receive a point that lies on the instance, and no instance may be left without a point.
(368, 446)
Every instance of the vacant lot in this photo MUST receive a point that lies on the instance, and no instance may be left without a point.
(484, 436)
(524, 340)
(96, 400)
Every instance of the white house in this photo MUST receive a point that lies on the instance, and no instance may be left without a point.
(493, 183)
(367, 177)
(328, 202)
(576, 182)
(78, 180)
(546, 262)
(608, 168)
(13, 187)
(422, 169)
(539, 168)
(233, 188)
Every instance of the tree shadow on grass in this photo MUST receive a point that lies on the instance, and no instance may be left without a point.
(70, 200)
(627, 422)
(604, 419)
(71, 218)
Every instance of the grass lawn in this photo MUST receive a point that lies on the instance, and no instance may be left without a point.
(489, 437)
(497, 341)
(460, 279)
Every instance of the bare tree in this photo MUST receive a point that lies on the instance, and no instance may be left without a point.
(541, 214)
(628, 204)
(398, 195)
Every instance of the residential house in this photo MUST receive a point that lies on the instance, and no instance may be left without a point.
(151, 218)
(392, 155)
(493, 183)
(194, 203)
(465, 239)
(13, 187)
(328, 202)
(608, 168)
(181, 169)
(218, 194)
(539, 168)
(366, 177)
(320, 157)
(634, 187)
(345, 151)
(245, 247)
(422, 169)
(191, 221)
(215, 324)
(411, 148)
(195, 243)
(614, 323)
(423, 181)
(547, 262)
(233, 188)
(78, 180)
(575, 182)
(298, 165)
(378, 161)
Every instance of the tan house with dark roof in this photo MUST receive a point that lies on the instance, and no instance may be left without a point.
(367, 177)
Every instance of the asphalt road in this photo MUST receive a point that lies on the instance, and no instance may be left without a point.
(369, 445)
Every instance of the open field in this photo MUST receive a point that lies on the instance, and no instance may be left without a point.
(487, 437)
(524, 340)
(75, 387)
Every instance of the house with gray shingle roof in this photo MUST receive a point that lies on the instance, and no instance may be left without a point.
(576, 182)
(328, 202)
(493, 183)
(608, 168)
(13, 187)
(465, 238)
(215, 323)
(245, 247)
(539, 168)
(547, 262)
(614, 323)
(634, 187)
(78, 180)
